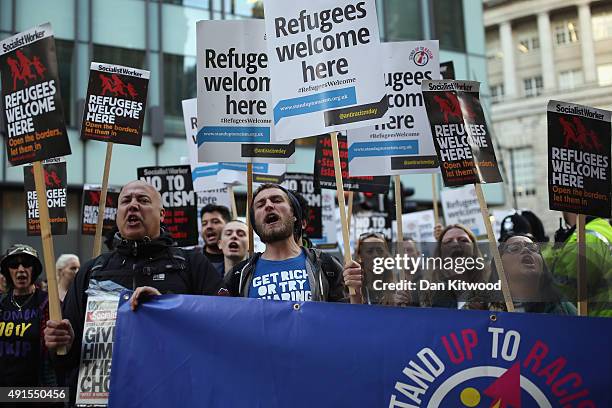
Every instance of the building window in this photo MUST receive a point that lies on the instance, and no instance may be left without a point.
(497, 92)
(119, 56)
(448, 24)
(566, 33)
(65, 51)
(402, 20)
(528, 44)
(570, 79)
(533, 86)
(524, 171)
(179, 84)
(602, 26)
(604, 73)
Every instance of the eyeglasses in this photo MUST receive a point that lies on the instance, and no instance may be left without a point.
(517, 247)
(14, 263)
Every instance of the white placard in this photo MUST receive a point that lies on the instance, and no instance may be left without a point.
(461, 206)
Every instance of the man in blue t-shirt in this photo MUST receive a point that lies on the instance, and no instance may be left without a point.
(285, 270)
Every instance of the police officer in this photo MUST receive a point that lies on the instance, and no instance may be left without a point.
(144, 255)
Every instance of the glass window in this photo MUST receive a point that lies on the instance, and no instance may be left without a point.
(179, 84)
(119, 56)
(566, 33)
(528, 44)
(497, 92)
(602, 26)
(524, 171)
(533, 86)
(604, 73)
(402, 20)
(448, 24)
(570, 79)
(245, 8)
(65, 51)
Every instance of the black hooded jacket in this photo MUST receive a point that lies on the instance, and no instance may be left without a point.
(157, 263)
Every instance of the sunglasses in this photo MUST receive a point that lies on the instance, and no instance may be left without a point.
(367, 235)
(14, 263)
(517, 247)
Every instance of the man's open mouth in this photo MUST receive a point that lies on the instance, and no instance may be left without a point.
(271, 218)
(233, 245)
(133, 220)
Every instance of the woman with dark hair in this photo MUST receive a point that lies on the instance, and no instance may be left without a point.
(530, 282)
(370, 246)
(455, 245)
(23, 313)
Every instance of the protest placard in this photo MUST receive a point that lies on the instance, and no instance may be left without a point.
(57, 193)
(91, 206)
(460, 206)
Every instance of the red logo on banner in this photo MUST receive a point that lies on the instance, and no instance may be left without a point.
(579, 135)
(117, 87)
(21, 69)
(51, 178)
(449, 105)
(94, 197)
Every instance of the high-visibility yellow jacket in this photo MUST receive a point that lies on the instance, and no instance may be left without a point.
(563, 264)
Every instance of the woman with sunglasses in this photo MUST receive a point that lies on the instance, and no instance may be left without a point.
(23, 313)
(530, 282)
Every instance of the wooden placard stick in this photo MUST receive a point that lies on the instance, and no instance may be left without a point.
(102, 205)
(434, 201)
(249, 200)
(398, 210)
(581, 271)
(341, 204)
(493, 248)
(55, 311)
(233, 202)
(351, 197)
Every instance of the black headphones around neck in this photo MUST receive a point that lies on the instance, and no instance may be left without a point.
(295, 205)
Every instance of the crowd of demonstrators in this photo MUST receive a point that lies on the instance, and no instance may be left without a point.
(66, 267)
(144, 258)
(234, 243)
(25, 359)
(285, 270)
(214, 217)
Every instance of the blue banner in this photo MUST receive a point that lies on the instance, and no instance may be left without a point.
(315, 103)
(233, 134)
(204, 171)
(189, 351)
(262, 168)
(382, 149)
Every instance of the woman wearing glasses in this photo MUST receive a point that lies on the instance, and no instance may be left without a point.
(531, 283)
(23, 313)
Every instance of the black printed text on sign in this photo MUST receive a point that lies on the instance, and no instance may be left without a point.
(178, 199)
(324, 170)
(31, 97)
(56, 187)
(463, 143)
(91, 206)
(579, 164)
(115, 105)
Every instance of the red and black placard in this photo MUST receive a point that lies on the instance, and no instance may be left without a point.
(31, 97)
(91, 205)
(325, 176)
(56, 187)
(115, 105)
(461, 136)
(175, 185)
(579, 162)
